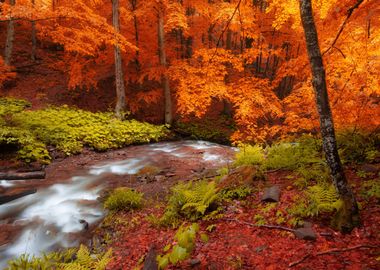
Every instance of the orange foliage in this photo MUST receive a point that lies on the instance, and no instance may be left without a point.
(5, 72)
(252, 56)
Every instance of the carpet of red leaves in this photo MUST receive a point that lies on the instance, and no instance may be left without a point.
(233, 245)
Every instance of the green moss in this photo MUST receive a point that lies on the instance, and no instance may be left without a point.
(123, 199)
(9, 106)
(69, 130)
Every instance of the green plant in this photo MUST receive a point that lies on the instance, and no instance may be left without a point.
(238, 193)
(217, 130)
(317, 171)
(316, 199)
(259, 219)
(70, 259)
(371, 189)
(185, 242)
(249, 155)
(9, 106)
(358, 147)
(68, 130)
(293, 155)
(191, 200)
(123, 199)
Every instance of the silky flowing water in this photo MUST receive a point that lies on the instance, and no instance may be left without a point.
(53, 217)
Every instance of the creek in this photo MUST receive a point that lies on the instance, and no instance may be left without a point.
(57, 215)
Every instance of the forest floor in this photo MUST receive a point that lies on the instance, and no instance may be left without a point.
(236, 242)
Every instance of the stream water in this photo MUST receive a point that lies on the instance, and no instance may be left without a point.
(53, 217)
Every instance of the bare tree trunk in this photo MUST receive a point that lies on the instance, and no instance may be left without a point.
(137, 38)
(10, 38)
(34, 38)
(348, 217)
(163, 62)
(120, 87)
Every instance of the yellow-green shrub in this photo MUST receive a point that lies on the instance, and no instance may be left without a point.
(249, 155)
(68, 130)
(124, 199)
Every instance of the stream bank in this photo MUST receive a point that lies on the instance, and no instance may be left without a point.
(66, 201)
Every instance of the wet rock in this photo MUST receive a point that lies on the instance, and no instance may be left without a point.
(305, 234)
(170, 174)
(15, 195)
(307, 224)
(150, 262)
(194, 262)
(84, 223)
(159, 178)
(271, 194)
(22, 175)
(243, 175)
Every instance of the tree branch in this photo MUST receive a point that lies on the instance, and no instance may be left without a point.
(330, 251)
(255, 225)
(349, 14)
(225, 28)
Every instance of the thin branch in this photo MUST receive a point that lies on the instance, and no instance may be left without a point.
(349, 14)
(330, 251)
(255, 225)
(225, 29)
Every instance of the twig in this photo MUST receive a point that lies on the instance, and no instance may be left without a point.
(330, 251)
(255, 225)
(225, 28)
(349, 14)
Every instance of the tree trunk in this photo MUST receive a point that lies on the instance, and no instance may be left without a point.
(348, 216)
(135, 24)
(119, 77)
(9, 41)
(34, 38)
(164, 78)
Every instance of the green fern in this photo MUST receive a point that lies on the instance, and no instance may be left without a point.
(70, 259)
(316, 200)
(191, 200)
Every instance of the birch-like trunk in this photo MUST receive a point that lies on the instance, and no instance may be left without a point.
(119, 76)
(10, 38)
(163, 62)
(348, 217)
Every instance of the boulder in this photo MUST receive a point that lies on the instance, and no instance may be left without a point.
(271, 194)
(150, 262)
(194, 262)
(305, 234)
(16, 195)
(243, 175)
